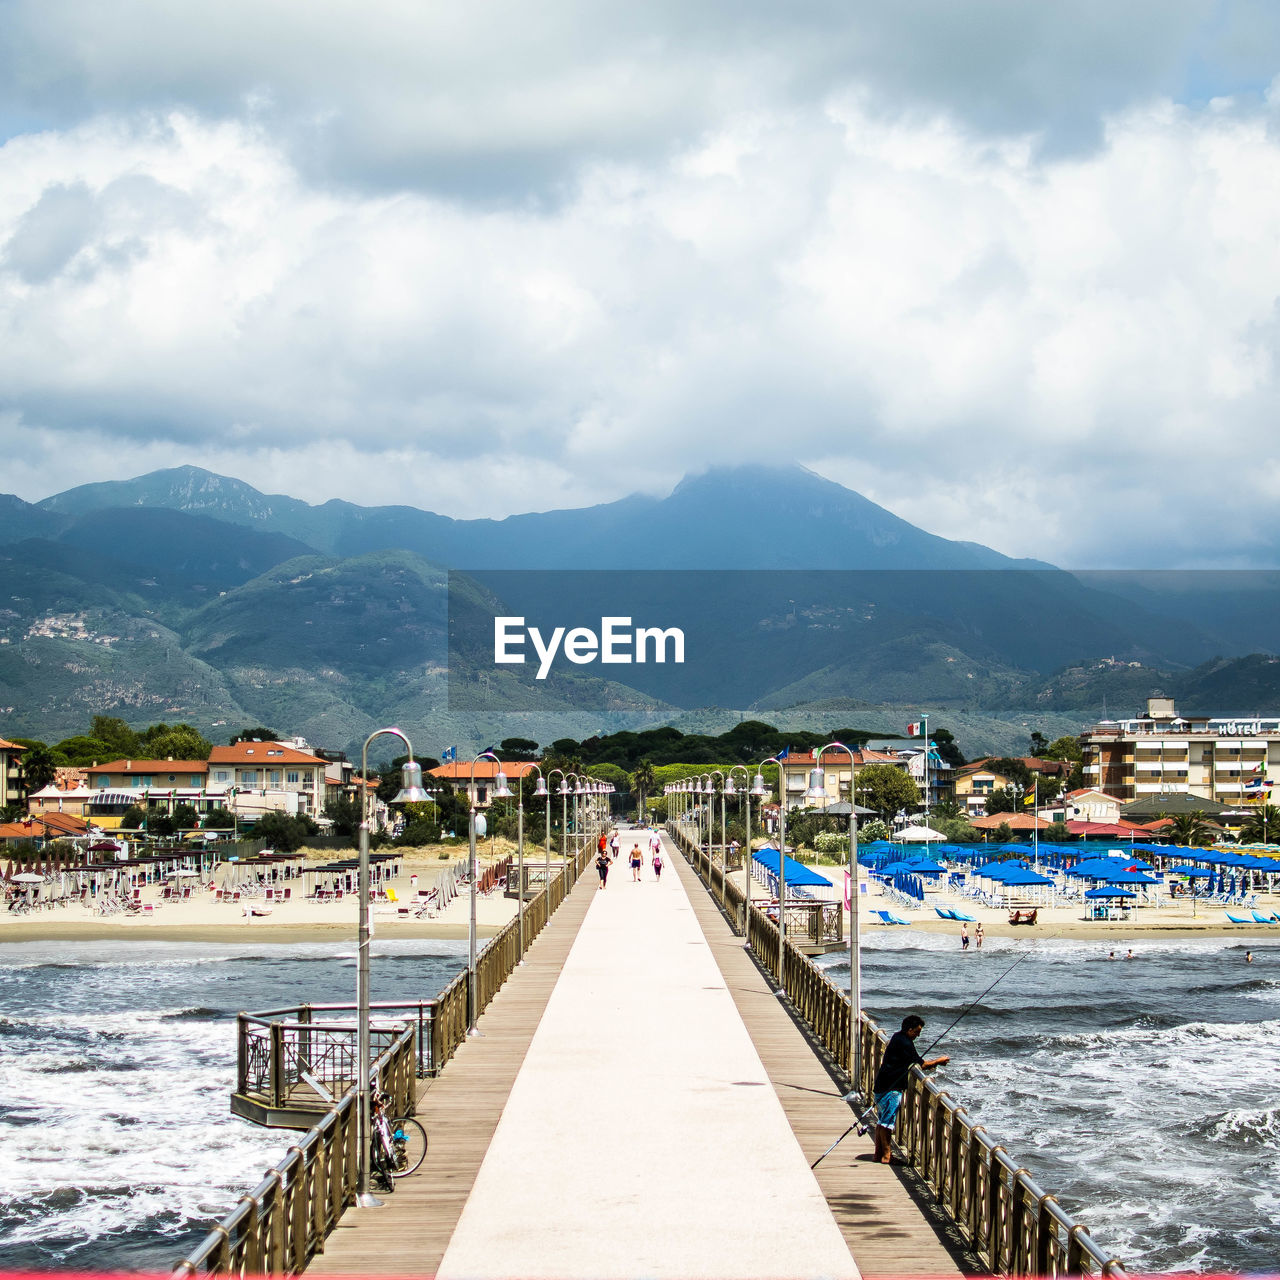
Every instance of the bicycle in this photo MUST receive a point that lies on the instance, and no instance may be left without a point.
(399, 1145)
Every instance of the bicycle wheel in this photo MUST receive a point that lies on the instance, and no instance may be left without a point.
(411, 1146)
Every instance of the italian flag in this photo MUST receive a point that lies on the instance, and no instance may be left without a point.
(915, 729)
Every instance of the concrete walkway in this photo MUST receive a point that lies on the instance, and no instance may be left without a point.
(641, 1136)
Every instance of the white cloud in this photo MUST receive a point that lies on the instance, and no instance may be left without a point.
(1060, 354)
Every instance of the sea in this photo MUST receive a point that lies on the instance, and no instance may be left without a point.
(117, 1061)
(1142, 1092)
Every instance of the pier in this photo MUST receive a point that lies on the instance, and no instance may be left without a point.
(643, 1099)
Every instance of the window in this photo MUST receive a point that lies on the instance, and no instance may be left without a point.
(275, 777)
(249, 777)
(195, 779)
(291, 776)
(223, 775)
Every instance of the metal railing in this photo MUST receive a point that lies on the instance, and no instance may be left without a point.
(1003, 1215)
(279, 1226)
(283, 1222)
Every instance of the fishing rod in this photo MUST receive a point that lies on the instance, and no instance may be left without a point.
(964, 1013)
(861, 1123)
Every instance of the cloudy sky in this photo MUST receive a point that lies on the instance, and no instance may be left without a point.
(1008, 268)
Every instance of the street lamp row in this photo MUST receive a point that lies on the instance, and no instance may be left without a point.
(703, 786)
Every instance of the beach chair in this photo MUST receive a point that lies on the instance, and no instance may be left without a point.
(392, 896)
(1262, 918)
(961, 915)
(945, 913)
(1235, 919)
(288, 893)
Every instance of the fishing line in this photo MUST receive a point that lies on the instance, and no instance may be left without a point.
(975, 1001)
(866, 1117)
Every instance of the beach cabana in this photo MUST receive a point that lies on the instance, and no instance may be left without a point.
(917, 835)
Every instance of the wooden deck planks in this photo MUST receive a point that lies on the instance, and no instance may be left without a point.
(460, 1109)
(889, 1228)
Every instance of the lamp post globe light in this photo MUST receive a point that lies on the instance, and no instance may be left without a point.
(410, 790)
(818, 779)
(500, 792)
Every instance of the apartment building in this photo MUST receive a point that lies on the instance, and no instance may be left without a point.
(11, 790)
(1162, 752)
(264, 776)
(838, 770)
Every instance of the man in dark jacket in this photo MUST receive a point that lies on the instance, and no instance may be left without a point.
(900, 1056)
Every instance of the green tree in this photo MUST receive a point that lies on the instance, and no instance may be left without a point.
(39, 765)
(873, 829)
(1191, 829)
(1067, 748)
(1039, 743)
(887, 789)
(643, 782)
(1262, 825)
(1056, 832)
(122, 742)
(281, 831)
(160, 824)
(179, 741)
(344, 813)
(82, 751)
(219, 820)
(259, 734)
(133, 818)
(1003, 834)
(517, 749)
(956, 830)
(185, 817)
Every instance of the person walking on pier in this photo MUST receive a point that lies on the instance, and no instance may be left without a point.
(656, 860)
(602, 867)
(637, 861)
(890, 1084)
(613, 845)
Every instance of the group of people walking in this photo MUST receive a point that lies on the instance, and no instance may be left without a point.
(609, 846)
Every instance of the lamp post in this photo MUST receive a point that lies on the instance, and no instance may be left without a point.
(782, 863)
(546, 874)
(817, 780)
(410, 789)
(716, 773)
(731, 790)
(539, 790)
(500, 792)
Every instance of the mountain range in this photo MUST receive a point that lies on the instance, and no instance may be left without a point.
(184, 595)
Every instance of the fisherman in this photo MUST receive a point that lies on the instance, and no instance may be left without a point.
(900, 1056)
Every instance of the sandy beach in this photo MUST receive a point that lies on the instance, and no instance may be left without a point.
(202, 918)
(1209, 920)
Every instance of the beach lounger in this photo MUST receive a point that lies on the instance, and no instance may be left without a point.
(1240, 919)
(945, 913)
(960, 915)
(1262, 918)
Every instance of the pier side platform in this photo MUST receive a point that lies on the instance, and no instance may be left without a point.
(640, 1102)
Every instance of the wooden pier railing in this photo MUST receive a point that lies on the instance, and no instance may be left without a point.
(1008, 1221)
(280, 1225)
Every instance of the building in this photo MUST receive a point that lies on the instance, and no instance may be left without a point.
(1161, 752)
(258, 777)
(1091, 805)
(837, 772)
(976, 781)
(11, 788)
(460, 773)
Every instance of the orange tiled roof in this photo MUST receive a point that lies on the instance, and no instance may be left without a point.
(460, 771)
(6, 745)
(262, 753)
(150, 766)
(1016, 821)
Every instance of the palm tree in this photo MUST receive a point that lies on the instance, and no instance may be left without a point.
(643, 782)
(1262, 825)
(1189, 828)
